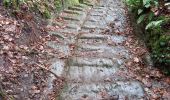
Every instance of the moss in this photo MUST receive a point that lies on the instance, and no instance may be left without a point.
(46, 14)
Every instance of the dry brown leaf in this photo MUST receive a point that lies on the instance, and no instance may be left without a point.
(136, 59)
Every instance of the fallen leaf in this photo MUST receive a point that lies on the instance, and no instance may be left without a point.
(136, 60)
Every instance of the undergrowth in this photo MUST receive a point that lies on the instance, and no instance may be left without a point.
(153, 16)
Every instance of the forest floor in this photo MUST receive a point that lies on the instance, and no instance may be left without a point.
(87, 53)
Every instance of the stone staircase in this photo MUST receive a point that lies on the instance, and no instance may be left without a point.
(91, 68)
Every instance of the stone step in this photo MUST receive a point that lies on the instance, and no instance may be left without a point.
(92, 27)
(60, 47)
(93, 20)
(121, 90)
(81, 5)
(76, 8)
(104, 62)
(73, 26)
(94, 36)
(118, 39)
(73, 12)
(120, 58)
(90, 47)
(88, 4)
(97, 30)
(70, 18)
(104, 50)
(97, 12)
(90, 73)
(87, 47)
(99, 7)
(92, 41)
(96, 18)
(57, 34)
(92, 24)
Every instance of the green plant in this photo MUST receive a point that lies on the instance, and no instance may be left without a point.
(154, 24)
(46, 14)
(156, 38)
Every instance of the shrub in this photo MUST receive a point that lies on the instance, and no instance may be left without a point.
(148, 14)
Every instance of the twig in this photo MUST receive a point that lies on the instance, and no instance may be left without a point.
(48, 70)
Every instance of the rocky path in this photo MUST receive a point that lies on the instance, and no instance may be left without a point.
(92, 66)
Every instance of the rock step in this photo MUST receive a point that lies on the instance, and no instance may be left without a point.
(87, 47)
(90, 27)
(70, 18)
(93, 20)
(73, 12)
(120, 58)
(81, 5)
(99, 7)
(92, 30)
(68, 32)
(103, 51)
(73, 26)
(122, 90)
(98, 12)
(104, 62)
(118, 39)
(76, 8)
(58, 35)
(88, 4)
(97, 18)
(60, 47)
(93, 41)
(94, 36)
(90, 73)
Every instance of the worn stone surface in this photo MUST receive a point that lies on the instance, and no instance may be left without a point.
(124, 90)
(60, 47)
(90, 71)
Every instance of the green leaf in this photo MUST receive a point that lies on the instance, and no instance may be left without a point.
(150, 16)
(148, 5)
(154, 24)
(162, 43)
(140, 11)
(141, 18)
